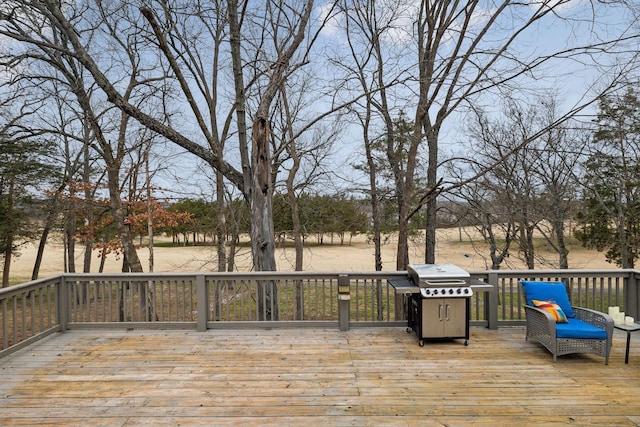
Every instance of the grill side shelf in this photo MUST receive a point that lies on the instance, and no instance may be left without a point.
(404, 286)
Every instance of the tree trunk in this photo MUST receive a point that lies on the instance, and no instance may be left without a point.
(221, 231)
(430, 231)
(563, 251)
(103, 258)
(375, 206)
(626, 261)
(297, 232)
(41, 245)
(70, 231)
(402, 253)
(8, 253)
(131, 258)
(432, 183)
(6, 267)
(262, 235)
(52, 212)
(233, 243)
(526, 245)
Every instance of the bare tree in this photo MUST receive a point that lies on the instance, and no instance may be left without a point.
(463, 54)
(48, 46)
(463, 51)
(478, 205)
(531, 188)
(174, 37)
(559, 153)
(377, 68)
(60, 125)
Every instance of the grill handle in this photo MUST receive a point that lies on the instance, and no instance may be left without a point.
(444, 282)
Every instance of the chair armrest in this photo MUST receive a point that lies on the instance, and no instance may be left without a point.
(595, 318)
(540, 319)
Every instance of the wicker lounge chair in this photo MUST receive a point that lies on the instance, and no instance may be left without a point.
(582, 331)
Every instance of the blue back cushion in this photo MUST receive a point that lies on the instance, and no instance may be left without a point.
(546, 291)
(578, 329)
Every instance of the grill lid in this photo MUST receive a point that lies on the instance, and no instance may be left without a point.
(438, 275)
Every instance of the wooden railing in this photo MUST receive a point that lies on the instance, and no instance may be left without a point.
(202, 301)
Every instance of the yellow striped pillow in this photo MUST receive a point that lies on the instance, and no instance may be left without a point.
(552, 307)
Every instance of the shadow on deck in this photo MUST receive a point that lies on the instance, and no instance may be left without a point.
(365, 376)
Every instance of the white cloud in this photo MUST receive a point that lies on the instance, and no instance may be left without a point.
(403, 15)
(334, 23)
(556, 5)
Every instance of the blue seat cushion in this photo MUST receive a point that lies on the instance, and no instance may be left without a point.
(545, 291)
(578, 329)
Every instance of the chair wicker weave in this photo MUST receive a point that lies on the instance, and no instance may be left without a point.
(541, 326)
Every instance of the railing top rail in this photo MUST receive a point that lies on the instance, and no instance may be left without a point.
(34, 284)
(557, 272)
(254, 275)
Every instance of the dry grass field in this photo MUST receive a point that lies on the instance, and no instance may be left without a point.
(454, 246)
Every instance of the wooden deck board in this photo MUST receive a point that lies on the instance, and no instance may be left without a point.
(368, 376)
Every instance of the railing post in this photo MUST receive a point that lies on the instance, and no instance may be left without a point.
(63, 303)
(631, 295)
(203, 302)
(491, 302)
(344, 301)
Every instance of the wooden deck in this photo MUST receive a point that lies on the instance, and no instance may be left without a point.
(364, 377)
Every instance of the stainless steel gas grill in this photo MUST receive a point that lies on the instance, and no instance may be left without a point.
(439, 305)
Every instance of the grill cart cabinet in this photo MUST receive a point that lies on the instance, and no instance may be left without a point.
(438, 301)
(433, 318)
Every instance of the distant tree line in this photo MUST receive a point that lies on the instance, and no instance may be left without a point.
(194, 221)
